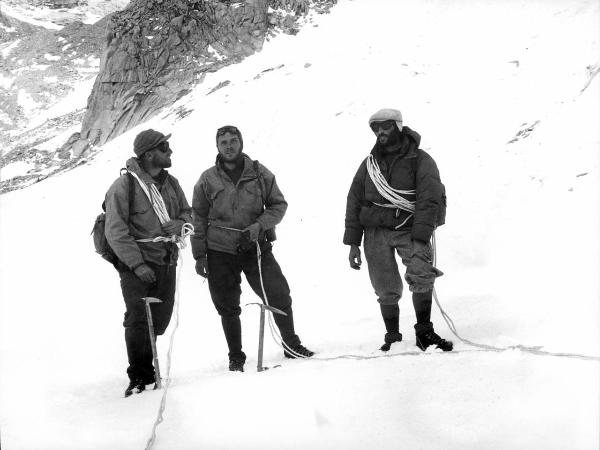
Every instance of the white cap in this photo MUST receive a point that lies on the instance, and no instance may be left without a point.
(387, 114)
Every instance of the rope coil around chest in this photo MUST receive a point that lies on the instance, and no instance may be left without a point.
(395, 197)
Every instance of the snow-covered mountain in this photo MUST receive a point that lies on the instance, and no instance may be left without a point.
(506, 97)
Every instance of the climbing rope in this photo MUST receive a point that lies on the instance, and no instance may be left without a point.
(167, 383)
(158, 204)
(186, 230)
(533, 350)
(392, 195)
(274, 331)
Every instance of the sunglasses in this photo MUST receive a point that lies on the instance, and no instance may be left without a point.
(163, 147)
(386, 126)
(227, 129)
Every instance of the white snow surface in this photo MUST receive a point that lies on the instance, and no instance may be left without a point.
(520, 249)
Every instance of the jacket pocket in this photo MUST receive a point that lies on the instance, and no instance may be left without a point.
(212, 195)
(250, 197)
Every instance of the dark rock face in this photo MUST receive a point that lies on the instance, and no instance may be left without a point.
(157, 49)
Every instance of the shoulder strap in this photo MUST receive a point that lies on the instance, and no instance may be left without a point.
(131, 190)
(260, 181)
(131, 193)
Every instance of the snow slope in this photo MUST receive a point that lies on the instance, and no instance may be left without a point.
(520, 249)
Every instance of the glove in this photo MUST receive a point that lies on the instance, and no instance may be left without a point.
(253, 231)
(145, 273)
(354, 257)
(202, 267)
(248, 237)
(172, 227)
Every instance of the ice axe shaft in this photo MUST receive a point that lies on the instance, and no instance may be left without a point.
(261, 331)
(147, 301)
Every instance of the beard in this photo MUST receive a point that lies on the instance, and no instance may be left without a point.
(389, 140)
(231, 157)
(164, 164)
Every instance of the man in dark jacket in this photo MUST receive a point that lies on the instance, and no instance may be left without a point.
(147, 269)
(237, 203)
(395, 200)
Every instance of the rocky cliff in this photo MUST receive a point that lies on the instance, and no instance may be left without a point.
(146, 57)
(157, 49)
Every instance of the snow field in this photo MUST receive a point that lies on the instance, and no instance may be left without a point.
(519, 250)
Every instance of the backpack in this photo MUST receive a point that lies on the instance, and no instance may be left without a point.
(441, 212)
(98, 232)
(270, 234)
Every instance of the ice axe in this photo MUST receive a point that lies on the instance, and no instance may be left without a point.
(147, 301)
(261, 331)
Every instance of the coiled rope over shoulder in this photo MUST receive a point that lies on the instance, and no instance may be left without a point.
(395, 197)
(158, 204)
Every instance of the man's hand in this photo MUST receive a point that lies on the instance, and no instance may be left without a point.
(253, 231)
(145, 273)
(202, 267)
(354, 257)
(172, 227)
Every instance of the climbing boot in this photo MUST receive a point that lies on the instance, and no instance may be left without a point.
(236, 365)
(135, 387)
(298, 351)
(390, 338)
(425, 336)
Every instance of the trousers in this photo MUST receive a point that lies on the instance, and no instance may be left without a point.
(381, 246)
(224, 280)
(137, 337)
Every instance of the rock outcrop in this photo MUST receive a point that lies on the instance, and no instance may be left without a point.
(157, 49)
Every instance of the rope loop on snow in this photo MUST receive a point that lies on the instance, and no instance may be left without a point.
(523, 348)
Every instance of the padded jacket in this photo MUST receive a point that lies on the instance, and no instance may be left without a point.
(218, 203)
(123, 226)
(408, 169)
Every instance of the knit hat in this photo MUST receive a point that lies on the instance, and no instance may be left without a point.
(387, 114)
(147, 140)
(230, 129)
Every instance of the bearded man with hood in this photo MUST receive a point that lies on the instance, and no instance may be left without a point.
(146, 269)
(397, 200)
(236, 204)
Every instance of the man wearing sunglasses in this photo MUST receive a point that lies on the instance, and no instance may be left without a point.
(396, 201)
(236, 205)
(147, 269)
